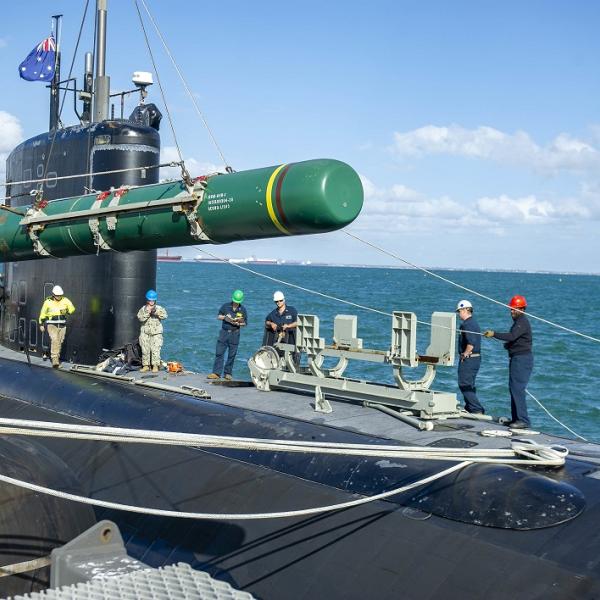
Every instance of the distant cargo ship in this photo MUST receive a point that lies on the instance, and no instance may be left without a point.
(251, 260)
(203, 259)
(166, 257)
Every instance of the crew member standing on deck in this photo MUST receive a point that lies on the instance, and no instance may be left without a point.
(469, 347)
(151, 316)
(281, 322)
(54, 316)
(233, 316)
(519, 343)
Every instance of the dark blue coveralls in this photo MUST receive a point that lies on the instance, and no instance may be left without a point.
(287, 317)
(229, 337)
(519, 343)
(469, 366)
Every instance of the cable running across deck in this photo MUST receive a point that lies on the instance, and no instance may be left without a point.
(530, 453)
(537, 454)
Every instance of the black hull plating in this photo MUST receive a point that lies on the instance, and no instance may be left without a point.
(31, 525)
(381, 550)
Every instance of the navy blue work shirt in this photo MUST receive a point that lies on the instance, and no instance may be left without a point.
(519, 340)
(287, 317)
(469, 329)
(228, 310)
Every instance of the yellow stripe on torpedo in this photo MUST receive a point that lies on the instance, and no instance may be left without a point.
(270, 208)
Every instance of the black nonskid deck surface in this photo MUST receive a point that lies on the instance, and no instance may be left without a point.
(380, 550)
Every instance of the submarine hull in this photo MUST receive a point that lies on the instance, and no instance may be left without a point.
(386, 549)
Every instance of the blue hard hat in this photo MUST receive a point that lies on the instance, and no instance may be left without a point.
(151, 295)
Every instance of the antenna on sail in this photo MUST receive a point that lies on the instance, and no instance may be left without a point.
(54, 86)
(102, 81)
(88, 86)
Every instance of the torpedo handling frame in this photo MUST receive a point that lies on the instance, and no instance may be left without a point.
(300, 367)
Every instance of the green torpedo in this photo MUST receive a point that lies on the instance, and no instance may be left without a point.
(314, 196)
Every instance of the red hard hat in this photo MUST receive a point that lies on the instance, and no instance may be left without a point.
(518, 302)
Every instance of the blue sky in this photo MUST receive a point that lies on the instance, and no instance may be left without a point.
(475, 126)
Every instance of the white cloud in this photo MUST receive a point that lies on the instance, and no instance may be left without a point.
(11, 133)
(400, 208)
(590, 195)
(194, 166)
(530, 209)
(563, 153)
(403, 209)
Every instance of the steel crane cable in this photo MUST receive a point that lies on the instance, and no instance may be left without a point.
(185, 173)
(64, 97)
(185, 85)
(83, 18)
(298, 287)
(554, 418)
(445, 279)
(466, 289)
(311, 291)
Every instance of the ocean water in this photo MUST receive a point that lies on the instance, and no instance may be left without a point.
(566, 377)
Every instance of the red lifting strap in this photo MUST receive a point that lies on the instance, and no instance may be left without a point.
(120, 192)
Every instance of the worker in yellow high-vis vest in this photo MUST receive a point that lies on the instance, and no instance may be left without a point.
(54, 316)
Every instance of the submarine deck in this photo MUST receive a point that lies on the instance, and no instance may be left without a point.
(349, 416)
(270, 558)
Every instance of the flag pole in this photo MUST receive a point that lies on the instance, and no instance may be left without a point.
(54, 87)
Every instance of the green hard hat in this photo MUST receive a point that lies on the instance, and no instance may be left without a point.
(238, 296)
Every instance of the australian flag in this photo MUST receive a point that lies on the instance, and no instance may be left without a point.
(40, 62)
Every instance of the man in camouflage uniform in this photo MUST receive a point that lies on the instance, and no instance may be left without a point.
(151, 316)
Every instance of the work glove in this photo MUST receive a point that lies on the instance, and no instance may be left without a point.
(489, 333)
(42, 328)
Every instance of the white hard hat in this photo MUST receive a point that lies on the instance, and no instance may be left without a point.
(464, 304)
(278, 296)
(57, 291)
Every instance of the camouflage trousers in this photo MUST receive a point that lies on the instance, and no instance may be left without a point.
(151, 345)
(57, 337)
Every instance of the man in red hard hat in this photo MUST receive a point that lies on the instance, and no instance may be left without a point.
(519, 343)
